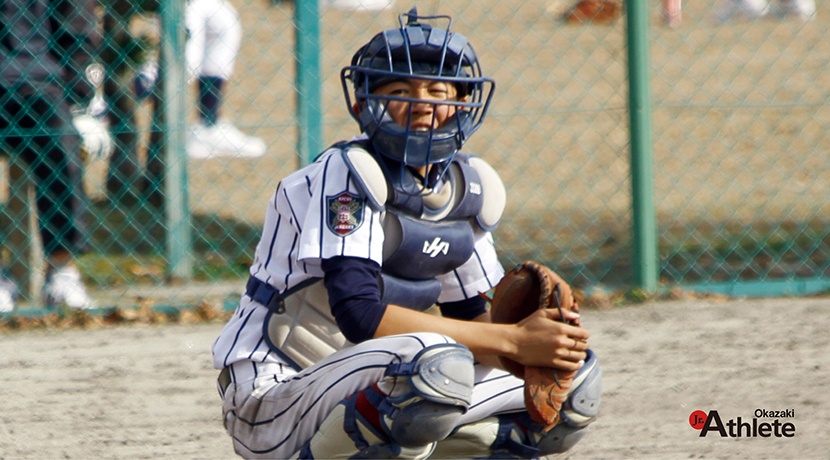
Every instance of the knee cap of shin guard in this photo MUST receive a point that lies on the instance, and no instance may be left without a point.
(424, 422)
(582, 405)
(445, 375)
(440, 373)
(437, 392)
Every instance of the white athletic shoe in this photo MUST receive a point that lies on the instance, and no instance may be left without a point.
(64, 288)
(222, 140)
(7, 293)
(804, 10)
(742, 9)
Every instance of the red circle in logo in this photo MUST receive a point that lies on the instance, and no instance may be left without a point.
(697, 419)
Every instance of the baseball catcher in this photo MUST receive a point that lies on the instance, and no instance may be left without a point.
(332, 352)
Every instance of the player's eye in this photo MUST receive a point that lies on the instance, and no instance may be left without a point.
(439, 91)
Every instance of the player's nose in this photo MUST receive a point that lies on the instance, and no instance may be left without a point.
(421, 112)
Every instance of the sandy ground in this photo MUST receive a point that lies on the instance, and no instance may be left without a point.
(134, 392)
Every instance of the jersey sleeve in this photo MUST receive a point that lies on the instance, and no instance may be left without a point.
(480, 273)
(339, 222)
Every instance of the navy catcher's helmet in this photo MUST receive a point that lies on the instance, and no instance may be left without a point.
(422, 51)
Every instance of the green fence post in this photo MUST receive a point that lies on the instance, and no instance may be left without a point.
(642, 181)
(179, 245)
(307, 55)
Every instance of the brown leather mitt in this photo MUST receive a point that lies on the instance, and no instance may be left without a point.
(523, 290)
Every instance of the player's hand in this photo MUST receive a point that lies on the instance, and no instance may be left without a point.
(542, 340)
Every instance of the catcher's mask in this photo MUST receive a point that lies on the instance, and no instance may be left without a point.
(420, 51)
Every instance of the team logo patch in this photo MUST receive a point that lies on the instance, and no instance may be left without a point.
(345, 213)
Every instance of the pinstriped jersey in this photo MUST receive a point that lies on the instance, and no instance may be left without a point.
(316, 213)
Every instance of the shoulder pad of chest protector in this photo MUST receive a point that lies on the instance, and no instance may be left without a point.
(367, 174)
(370, 178)
(493, 193)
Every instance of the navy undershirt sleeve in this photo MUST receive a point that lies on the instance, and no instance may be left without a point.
(354, 296)
(466, 309)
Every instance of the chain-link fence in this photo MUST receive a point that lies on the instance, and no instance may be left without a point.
(740, 118)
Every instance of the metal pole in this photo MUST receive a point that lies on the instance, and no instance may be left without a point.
(642, 179)
(179, 245)
(307, 55)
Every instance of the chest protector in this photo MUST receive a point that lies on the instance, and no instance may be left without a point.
(424, 236)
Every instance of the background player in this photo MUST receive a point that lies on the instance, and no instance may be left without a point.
(212, 47)
(330, 353)
(45, 50)
(802, 9)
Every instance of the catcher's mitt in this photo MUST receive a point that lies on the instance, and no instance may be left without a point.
(523, 290)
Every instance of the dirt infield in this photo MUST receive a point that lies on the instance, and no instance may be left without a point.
(140, 392)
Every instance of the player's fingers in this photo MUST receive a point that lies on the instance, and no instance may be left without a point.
(567, 315)
(579, 345)
(571, 361)
(568, 346)
(578, 333)
(576, 356)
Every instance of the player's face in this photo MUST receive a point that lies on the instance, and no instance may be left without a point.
(425, 115)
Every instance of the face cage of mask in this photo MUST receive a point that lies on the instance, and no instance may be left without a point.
(423, 153)
(410, 148)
